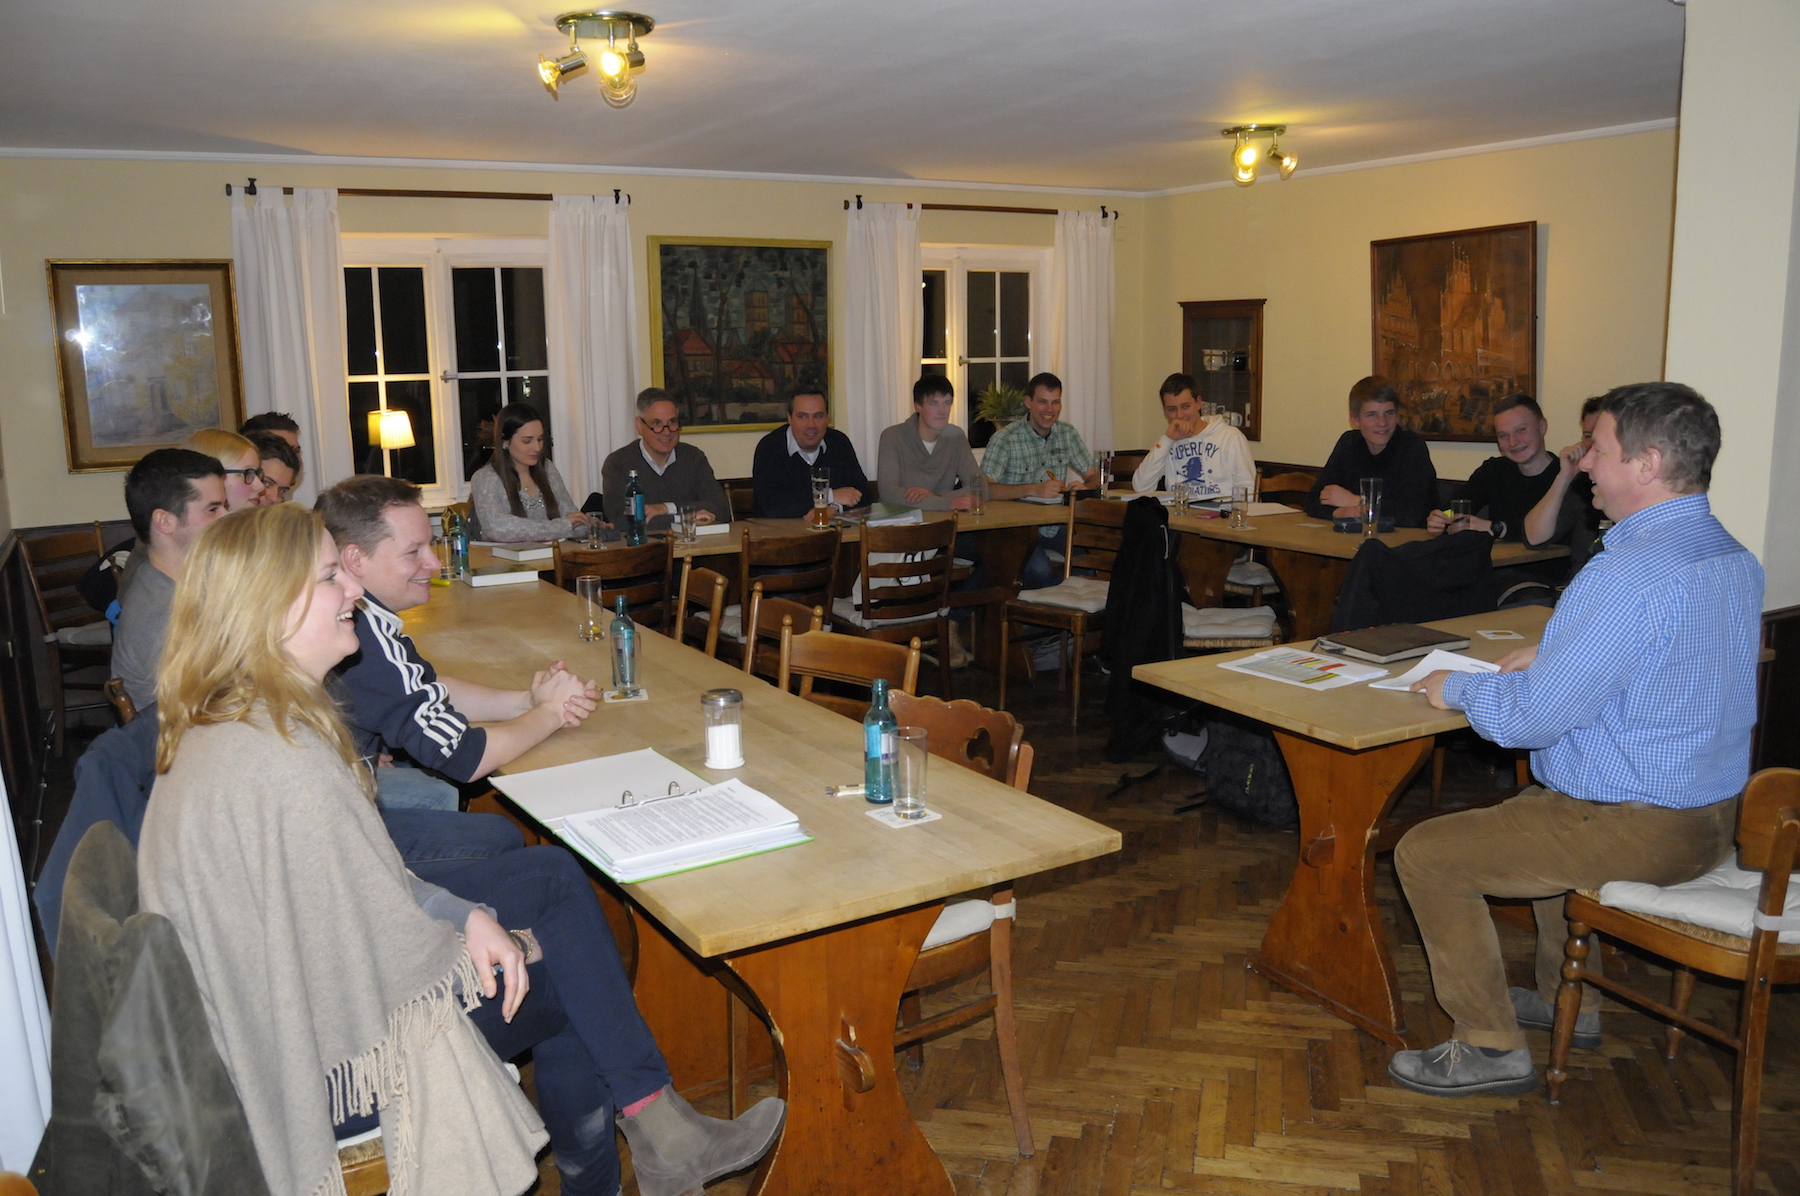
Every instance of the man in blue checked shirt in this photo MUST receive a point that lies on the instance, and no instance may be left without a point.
(1637, 707)
(1040, 457)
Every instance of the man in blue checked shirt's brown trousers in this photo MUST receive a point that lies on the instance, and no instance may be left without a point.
(1637, 708)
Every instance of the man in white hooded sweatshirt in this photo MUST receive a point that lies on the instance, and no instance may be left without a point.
(1205, 452)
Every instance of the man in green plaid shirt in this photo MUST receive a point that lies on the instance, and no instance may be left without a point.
(1040, 457)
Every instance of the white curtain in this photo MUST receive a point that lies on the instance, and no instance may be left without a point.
(1081, 322)
(290, 284)
(24, 1020)
(590, 310)
(883, 314)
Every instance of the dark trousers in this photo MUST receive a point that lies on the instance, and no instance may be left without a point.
(1040, 571)
(593, 1052)
(433, 841)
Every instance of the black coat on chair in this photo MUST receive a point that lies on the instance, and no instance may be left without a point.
(1142, 624)
(1416, 582)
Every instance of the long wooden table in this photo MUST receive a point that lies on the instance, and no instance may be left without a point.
(1350, 752)
(821, 935)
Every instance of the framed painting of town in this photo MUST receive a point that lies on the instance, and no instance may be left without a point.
(146, 355)
(1455, 325)
(736, 325)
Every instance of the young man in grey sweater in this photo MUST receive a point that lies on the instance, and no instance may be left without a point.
(926, 461)
(669, 471)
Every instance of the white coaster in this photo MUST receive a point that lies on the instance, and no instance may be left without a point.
(1499, 635)
(886, 817)
(613, 695)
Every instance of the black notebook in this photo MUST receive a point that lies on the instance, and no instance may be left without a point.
(1396, 641)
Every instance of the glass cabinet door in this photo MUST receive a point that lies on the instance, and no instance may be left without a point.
(1221, 347)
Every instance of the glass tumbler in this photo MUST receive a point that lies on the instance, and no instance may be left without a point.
(722, 711)
(1240, 507)
(909, 772)
(688, 514)
(593, 613)
(1371, 506)
(1461, 510)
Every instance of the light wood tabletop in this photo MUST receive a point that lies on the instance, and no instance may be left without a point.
(1300, 532)
(854, 867)
(1352, 716)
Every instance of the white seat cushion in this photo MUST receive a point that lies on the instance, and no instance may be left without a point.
(731, 622)
(1723, 900)
(1074, 593)
(1250, 573)
(88, 635)
(845, 609)
(959, 920)
(1226, 622)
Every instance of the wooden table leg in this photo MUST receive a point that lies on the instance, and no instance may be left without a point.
(1326, 942)
(1309, 585)
(1204, 562)
(831, 999)
(1004, 551)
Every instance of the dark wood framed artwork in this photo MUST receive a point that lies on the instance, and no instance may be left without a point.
(735, 325)
(1454, 324)
(146, 355)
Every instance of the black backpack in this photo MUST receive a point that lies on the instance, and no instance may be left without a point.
(1245, 773)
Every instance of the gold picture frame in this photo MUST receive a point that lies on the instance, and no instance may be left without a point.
(146, 355)
(765, 307)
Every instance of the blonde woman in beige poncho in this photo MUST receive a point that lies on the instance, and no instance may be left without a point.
(335, 982)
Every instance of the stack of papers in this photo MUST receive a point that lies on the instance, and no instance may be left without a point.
(522, 550)
(893, 514)
(1291, 666)
(1437, 661)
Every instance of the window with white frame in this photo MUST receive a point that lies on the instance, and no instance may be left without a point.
(983, 306)
(447, 330)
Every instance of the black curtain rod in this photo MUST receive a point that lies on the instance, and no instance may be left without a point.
(400, 193)
(982, 207)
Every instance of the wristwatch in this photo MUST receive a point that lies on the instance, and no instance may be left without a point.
(1498, 529)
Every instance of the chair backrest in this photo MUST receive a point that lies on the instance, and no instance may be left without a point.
(851, 659)
(767, 616)
(905, 570)
(55, 563)
(1771, 797)
(701, 589)
(1290, 487)
(1096, 530)
(121, 701)
(802, 568)
(642, 574)
(966, 733)
(1123, 466)
(741, 493)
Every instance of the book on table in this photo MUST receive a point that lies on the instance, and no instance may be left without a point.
(639, 815)
(523, 550)
(501, 575)
(893, 514)
(1395, 641)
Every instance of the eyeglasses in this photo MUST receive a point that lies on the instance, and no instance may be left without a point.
(247, 476)
(661, 425)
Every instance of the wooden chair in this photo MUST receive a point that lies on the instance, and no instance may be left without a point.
(642, 574)
(824, 656)
(702, 590)
(1124, 465)
(904, 588)
(1095, 533)
(801, 568)
(123, 707)
(762, 630)
(1768, 838)
(76, 636)
(976, 602)
(1250, 578)
(741, 494)
(989, 742)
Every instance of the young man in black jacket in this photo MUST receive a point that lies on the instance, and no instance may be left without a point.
(1504, 489)
(1376, 447)
(785, 460)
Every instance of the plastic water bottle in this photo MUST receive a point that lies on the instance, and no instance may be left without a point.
(456, 531)
(624, 650)
(634, 511)
(880, 746)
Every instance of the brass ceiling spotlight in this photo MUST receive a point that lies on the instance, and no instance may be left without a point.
(1247, 157)
(613, 52)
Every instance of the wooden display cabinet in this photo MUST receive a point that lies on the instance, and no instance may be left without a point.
(1221, 347)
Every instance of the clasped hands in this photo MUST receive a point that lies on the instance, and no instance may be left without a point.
(577, 698)
(1432, 684)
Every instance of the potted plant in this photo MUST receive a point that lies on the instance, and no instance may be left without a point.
(1000, 405)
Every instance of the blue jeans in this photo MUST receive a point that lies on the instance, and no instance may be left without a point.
(403, 787)
(594, 1054)
(1040, 571)
(432, 841)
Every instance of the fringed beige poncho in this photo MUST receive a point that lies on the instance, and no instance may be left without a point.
(327, 988)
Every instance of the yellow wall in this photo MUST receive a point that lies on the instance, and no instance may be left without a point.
(80, 209)
(1603, 209)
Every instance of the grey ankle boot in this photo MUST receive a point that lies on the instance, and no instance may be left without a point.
(1535, 1013)
(676, 1150)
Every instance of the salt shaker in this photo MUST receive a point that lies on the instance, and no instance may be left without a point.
(723, 710)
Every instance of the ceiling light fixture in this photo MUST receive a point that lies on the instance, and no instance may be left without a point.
(1247, 156)
(617, 62)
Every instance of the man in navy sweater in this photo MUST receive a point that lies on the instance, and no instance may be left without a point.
(786, 458)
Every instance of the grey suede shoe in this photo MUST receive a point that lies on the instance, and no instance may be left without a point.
(676, 1150)
(1535, 1013)
(1455, 1068)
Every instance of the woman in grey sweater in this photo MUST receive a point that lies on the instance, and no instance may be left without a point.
(518, 494)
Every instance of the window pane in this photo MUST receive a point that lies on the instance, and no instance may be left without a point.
(403, 320)
(419, 463)
(364, 398)
(477, 326)
(935, 324)
(522, 301)
(479, 399)
(981, 314)
(359, 320)
(980, 377)
(1015, 315)
(533, 389)
(1015, 373)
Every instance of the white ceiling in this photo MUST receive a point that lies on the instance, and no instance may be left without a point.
(1128, 95)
